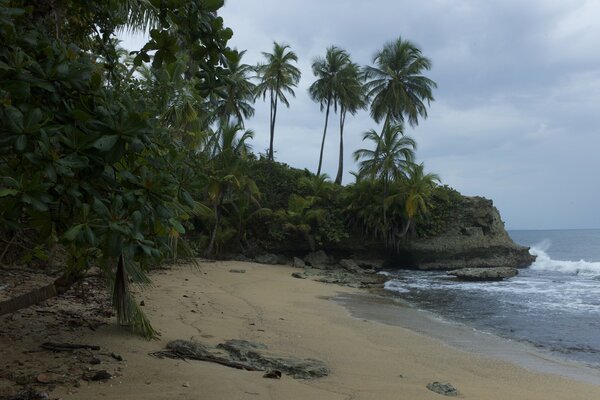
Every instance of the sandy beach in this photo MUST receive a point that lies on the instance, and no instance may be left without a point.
(368, 359)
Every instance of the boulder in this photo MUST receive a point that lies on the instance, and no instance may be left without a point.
(267, 258)
(298, 263)
(256, 355)
(484, 274)
(351, 266)
(318, 259)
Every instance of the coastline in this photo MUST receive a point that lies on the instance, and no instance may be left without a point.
(395, 312)
(296, 317)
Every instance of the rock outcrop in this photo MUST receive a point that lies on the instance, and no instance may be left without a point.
(475, 238)
(484, 274)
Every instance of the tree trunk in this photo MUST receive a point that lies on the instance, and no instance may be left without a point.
(340, 173)
(58, 287)
(324, 134)
(213, 236)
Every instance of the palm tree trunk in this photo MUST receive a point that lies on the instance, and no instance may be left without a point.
(324, 133)
(338, 178)
(385, 193)
(213, 236)
(273, 117)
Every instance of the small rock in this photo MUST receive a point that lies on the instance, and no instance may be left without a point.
(142, 303)
(116, 356)
(95, 361)
(272, 374)
(186, 384)
(237, 271)
(101, 376)
(46, 378)
(298, 275)
(443, 388)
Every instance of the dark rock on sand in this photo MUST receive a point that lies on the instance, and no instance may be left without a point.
(442, 388)
(318, 259)
(484, 274)
(267, 258)
(246, 355)
(298, 263)
(299, 275)
(256, 354)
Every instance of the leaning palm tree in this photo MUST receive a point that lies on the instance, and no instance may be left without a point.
(277, 77)
(389, 160)
(238, 93)
(396, 85)
(351, 98)
(325, 90)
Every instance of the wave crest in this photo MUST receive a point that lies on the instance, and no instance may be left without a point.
(544, 262)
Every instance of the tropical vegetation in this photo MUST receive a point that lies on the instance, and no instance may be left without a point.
(122, 162)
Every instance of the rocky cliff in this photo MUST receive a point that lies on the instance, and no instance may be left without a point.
(475, 237)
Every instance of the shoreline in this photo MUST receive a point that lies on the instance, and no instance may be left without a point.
(395, 312)
(293, 317)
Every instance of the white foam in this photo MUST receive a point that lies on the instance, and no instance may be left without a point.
(545, 263)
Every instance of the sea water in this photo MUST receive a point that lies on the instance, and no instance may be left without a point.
(553, 305)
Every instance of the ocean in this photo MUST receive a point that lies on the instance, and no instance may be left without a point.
(553, 305)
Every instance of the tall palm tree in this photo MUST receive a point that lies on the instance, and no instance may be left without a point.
(325, 90)
(351, 97)
(277, 77)
(388, 161)
(238, 92)
(396, 85)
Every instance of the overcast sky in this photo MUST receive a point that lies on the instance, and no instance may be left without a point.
(516, 115)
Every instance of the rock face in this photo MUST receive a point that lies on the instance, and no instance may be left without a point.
(484, 274)
(475, 238)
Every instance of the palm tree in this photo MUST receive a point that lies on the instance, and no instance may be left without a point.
(351, 97)
(419, 187)
(277, 77)
(238, 92)
(325, 90)
(396, 85)
(392, 156)
(228, 151)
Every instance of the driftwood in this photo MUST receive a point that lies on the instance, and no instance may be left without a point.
(59, 286)
(67, 346)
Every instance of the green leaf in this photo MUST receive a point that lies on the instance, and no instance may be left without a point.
(8, 192)
(72, 233)
(21, 143)
(177, 225)
(213, 5)
(101, 208)
(106, 143)
(14, 119)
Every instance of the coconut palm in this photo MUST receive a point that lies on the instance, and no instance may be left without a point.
(392, 155)
(238, 92)
(419, 188)
(396, 86)
(351, 98)
(325, 90)
(277, 77)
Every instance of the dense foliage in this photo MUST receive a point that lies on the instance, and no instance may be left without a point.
(115, 159)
